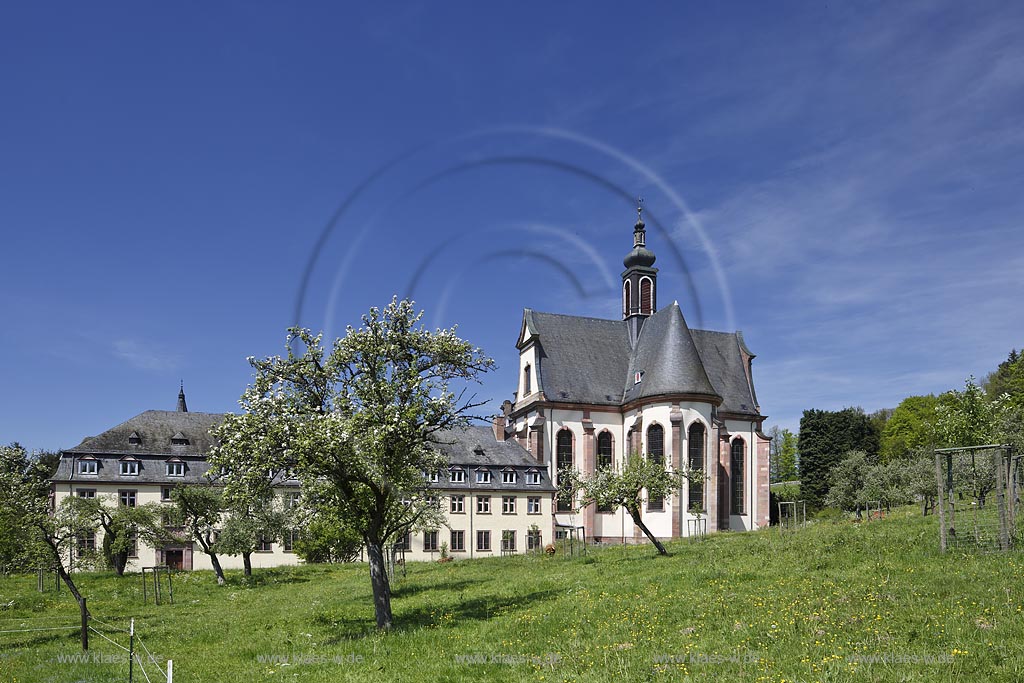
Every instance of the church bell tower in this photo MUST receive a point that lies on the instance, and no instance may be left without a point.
(639, 281)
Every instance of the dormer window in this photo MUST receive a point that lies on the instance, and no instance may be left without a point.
(175, 468)
(638, 377)
(88, 466)
(458, 475)
(134, 439)
(179, 439)
(533, 477)
(508, 477)
(430, 477)
(483, 476)
(129, 468)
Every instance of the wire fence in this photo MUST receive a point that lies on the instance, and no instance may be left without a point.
(979, 498)
(148, 667)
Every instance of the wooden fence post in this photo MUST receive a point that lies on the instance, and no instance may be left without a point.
(85, 625)
(940, 485)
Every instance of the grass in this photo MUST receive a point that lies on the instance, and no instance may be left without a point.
(812, 605)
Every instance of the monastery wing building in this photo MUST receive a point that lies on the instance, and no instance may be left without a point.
(593, 392)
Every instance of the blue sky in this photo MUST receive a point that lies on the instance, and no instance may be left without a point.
(842, 182)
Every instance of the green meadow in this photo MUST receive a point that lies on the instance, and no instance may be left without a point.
(837, 601)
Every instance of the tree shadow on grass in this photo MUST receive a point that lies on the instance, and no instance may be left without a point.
(473, 609)
(408, 589)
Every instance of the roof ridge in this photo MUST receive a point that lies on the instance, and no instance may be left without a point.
(578, 317)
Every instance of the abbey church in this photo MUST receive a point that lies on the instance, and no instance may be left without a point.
(593, 391)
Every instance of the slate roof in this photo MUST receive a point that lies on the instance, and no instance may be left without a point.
(156, 429)
(477, 446)
(590, 360)
(471, 448)
(668, 358)
(723, 362)
(583, 360)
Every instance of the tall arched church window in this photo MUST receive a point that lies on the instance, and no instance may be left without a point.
(627, 299)
(527, 386)
(738, 453)
(646, 290)
(695, 462)
(563, 461)
(604, 450)
(656, 443)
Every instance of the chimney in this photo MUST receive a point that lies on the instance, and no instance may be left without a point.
(499, 427)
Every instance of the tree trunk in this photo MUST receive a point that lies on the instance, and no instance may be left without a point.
(59, 563)
(207, 547)
(215, 561)
(247, 564)
(635, 514)
(381, 587)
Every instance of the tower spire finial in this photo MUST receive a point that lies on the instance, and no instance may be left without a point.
(182, 407)
(639, 233)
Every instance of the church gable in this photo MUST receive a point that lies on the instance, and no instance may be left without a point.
(581, 360)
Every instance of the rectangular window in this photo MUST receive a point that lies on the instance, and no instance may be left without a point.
(458, 541)
(129, 468)
(458, 504)
(483, 505)
(165, 493)
(508, 505)
(656, 504)
(133, 546)
(127, 498)
(86, 493)
(265, 545)
(508, 541)
(483, 540)
(533, 478)
(290, 537)
(431, 501)
(432, 477)
(86, 543)
(175, 469)
(88, 466)
(483, 477)
(291, 500)
(458, 476)
(430, 541)
(533, 539)
(404, 542)
(508, 477)
(533, 505)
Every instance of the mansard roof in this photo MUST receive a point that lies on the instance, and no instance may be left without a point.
(476, 448)
(590, 361)
(156, 428)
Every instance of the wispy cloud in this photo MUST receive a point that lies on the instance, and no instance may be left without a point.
(145, 356)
